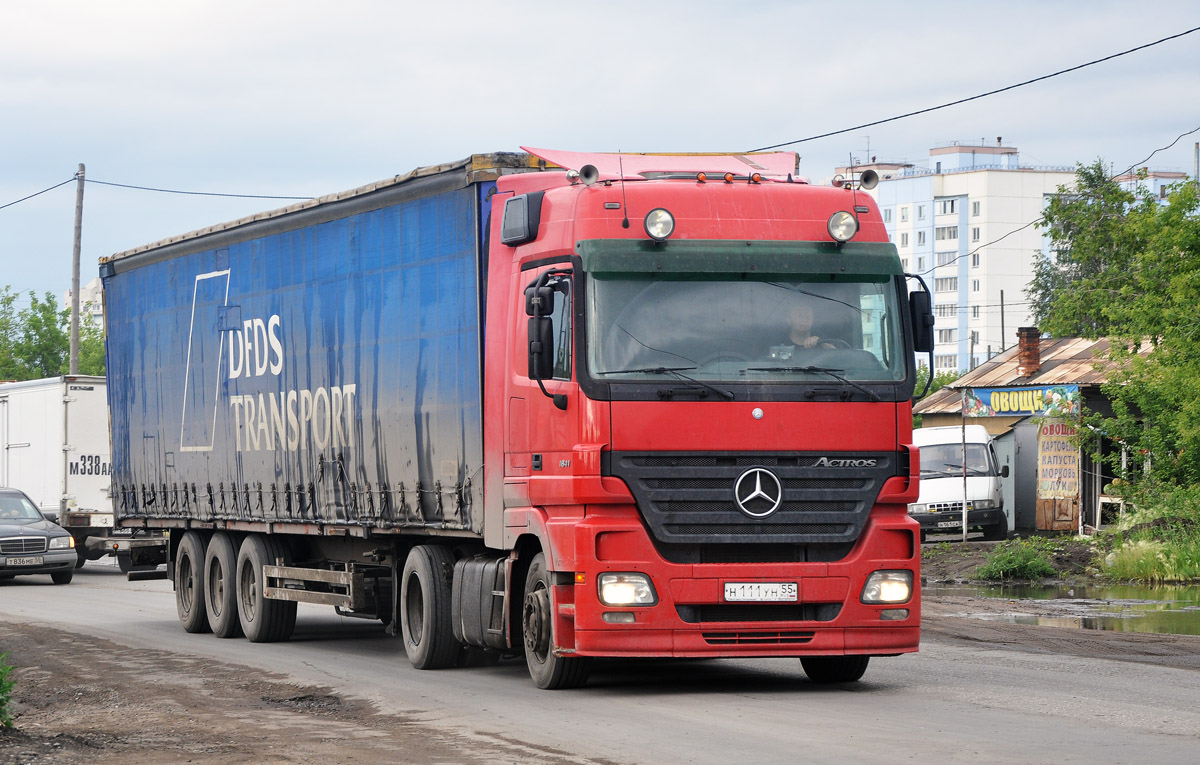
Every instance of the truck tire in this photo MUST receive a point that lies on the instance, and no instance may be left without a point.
(263, 620)
(220, 590)
(63, 577)
(834, 669)
(189, 583)
(550, 671)
(425, 622)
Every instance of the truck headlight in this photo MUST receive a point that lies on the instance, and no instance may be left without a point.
(60, 543)
(626, 590)
(888, 587)
(984, 504)
(916, 508)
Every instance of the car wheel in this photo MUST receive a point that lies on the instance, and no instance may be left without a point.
(189, 583)
(220, 592)
(835, 669)
(63, 577)
(80, 558)
(997, 532)
(264, 620)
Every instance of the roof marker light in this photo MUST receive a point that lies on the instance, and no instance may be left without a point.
(756, 177)
(729, 177)
(701, 177)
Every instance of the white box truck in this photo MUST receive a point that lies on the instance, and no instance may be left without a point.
(54, 446)
(946, 477)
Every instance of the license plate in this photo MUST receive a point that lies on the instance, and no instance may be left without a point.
(762, 591)
(28, 560)
(949, 524)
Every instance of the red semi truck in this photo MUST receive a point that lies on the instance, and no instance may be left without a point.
(568, 405)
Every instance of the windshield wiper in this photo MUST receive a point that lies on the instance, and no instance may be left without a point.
(677, 373)
(970, 470)
(819, 370)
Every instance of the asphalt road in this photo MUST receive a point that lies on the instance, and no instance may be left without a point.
(950, 702)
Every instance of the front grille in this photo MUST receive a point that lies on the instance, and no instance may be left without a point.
(758, 612)
(22, 545)
(757, 638)
(946, 507)
(688, 498)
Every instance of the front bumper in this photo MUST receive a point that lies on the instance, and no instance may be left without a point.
(693, 619)
(951, 520)
(53, 561)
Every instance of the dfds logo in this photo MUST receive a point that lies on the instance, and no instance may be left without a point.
(265, 417)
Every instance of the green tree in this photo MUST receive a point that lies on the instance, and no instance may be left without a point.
(1128, 268)
(8, 334)
(35, 339)
(43, 343)
(1076, 290)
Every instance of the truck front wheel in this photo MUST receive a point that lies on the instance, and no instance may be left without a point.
(550, 671)
(263, 619)
(425, 623)
(220, 592)
(835, 669)
(189, 583)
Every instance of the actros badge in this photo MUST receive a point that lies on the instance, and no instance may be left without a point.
(758, 492)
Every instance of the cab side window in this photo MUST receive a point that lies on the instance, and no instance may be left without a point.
(561, 317)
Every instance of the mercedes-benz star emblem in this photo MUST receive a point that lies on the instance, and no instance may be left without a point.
(758, 492)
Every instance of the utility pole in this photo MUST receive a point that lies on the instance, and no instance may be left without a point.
(1002, 321)
(74, 364)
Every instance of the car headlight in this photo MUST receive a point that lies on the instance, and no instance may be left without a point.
(888, 587)
(60, 543)
(626, 590)
(843, 226)
(916, 508)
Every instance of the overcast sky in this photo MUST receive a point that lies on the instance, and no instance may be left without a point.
(304, 98)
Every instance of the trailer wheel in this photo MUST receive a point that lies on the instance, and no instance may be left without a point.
(425, 622)
(220, 590)
(549, 670)
(264, 620)
(189, 583)
(835, 669)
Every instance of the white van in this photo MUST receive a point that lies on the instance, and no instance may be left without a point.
(939, 506)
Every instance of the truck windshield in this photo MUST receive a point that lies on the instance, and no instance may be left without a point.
(734, 328)
(947, 459)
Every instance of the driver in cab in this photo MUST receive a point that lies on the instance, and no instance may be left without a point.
(800, 334)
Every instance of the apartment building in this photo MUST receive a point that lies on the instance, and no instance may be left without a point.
(965, 225)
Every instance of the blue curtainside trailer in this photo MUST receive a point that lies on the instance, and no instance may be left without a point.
(319, 365)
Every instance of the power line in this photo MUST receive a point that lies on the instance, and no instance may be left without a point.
(193, 193)
(981, 95)
(43, 191)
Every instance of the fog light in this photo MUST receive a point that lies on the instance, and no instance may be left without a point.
(893, 614)
(888, 587)
(618, 617)
(626, 590)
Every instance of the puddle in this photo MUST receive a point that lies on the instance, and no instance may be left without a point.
(1172, 610)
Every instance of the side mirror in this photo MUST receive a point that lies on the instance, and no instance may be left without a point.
(1004, 471)
(922, 321)
(539, 301)
(541, 345)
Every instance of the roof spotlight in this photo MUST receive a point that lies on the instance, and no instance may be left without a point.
(660, 224)
(842, 226)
